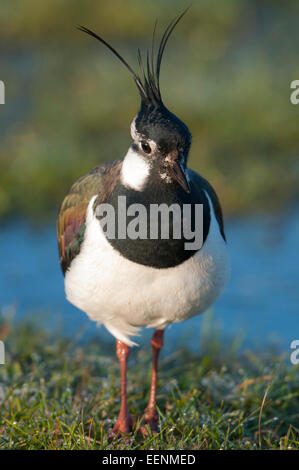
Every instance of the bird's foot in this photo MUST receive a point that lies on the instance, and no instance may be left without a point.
(123, 426)
(151, 422)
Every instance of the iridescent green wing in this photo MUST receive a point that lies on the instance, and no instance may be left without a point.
(71, 219)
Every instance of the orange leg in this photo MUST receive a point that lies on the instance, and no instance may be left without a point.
(124, 420)
(150, 413)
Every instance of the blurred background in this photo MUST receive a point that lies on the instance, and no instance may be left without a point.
(226, 73)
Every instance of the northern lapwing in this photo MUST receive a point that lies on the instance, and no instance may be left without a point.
(126, 283)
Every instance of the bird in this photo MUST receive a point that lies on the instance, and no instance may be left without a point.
(127, 283)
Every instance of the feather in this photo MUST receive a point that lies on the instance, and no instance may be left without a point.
(149, 84)
(101, 181)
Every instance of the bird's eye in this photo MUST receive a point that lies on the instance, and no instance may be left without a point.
(145, 147)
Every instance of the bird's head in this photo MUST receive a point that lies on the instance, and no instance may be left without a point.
(160, 139)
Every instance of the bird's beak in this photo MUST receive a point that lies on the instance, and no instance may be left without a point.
(177, 171)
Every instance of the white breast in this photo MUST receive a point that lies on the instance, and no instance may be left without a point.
(124, 295)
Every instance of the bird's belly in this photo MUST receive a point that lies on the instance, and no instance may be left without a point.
(124, 295)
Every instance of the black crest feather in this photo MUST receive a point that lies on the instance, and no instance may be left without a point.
(148, 83)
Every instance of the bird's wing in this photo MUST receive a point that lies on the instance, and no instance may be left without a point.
(71, 218)
(205, 185)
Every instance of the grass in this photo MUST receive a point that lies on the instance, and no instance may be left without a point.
(59, 394)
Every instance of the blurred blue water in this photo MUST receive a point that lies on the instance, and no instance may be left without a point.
(261, 301)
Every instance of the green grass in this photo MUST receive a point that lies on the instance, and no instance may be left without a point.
(59, 394)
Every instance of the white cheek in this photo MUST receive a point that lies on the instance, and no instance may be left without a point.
(135, 171)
